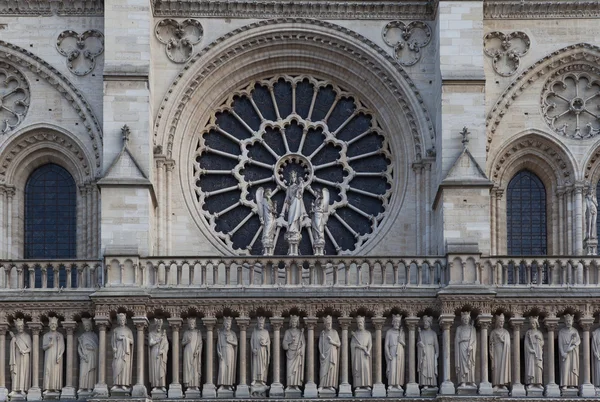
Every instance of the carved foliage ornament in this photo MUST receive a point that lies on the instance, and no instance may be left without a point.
(571, 102)
(80, 50)
(179, 38)
(288, 126)
(14, 97)
(506, 50)
(407, 40)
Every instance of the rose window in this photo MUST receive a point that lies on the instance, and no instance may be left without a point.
(14, 97)
(571, 105)
(300, 127)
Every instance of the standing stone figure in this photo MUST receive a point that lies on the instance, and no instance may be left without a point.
(260, 344)
(596, 357)
(361, 345)
(20, 351)
(53, 344)
(122, 346)
(591, 213)
(329, 356)
(88, 356)
(294, 345)
(267, 212)
(192, 355)
(294, 205)
(158, 347)
(465, 347)
(534, 358)
(395, 342)
(320, 215)
(500, 354)
(227, 351)
(568, 348)
(428, 351)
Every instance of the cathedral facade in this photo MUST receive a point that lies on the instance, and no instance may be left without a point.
(299, 199)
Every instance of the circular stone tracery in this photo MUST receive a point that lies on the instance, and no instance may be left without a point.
(14, 97)
(271, 128)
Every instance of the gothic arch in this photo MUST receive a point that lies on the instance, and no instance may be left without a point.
(591, 167)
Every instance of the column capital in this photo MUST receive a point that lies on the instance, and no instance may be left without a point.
(175, 322)
(378, 322)
(69, 326)
(345, 322)
(551, 323)
(311, 322)
(4, 326)
(412, 322)
(35, 327)
(243, 322)
(484, 321)
(517, 322)
(446, 321)
(140, 322)
(276, 322)
(586, 323)
(102, 322)
(209, 322)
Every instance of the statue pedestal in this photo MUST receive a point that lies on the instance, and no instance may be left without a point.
(68, 393)
(160, 393)
(276, 390)
(293, 393)
(209, 391)
(587, 390)
(139, 391)
(591, 246)
(503, 392)
(552, 390)
(467, 390)
(18, 396)
(569, 392)
(517, 391)
(429, 392)
(118, 391)
(345, 391)
(241, 391)
(412, 389)
(3, 394)
(447, 388)
(223, 392)
(51, 395)
(259, 391)
(362, 392)
(485, 388)
(34, 394)
(535, 391)
(293, 240)
(395, 392)
(192, 393)
(175, 391)
(379, 390)
(310, 390)
(100, 391)
(326, 393)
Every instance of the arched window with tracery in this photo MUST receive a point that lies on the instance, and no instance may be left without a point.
(50, 218)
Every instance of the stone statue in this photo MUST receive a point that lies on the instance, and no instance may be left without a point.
(260, 345)
(329, 356)
(360, 346)
(122, 346)
(294, 345)
(20, 352)
(227, 351)
(500, 354)
(596, 357)
(192, 355)
(568, 348)
(320, 215)
(534, 359)
(428, 350)
(267, 212)
(395, 342)
(53, 344)
(294, 205)
(88, 356)
(158, 348)
(465, 348)
(591, 213)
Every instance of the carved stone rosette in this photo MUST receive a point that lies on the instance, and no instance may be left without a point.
(14, 97)
(81, 50)
(179, 38)
(407, 40)
(506, 50)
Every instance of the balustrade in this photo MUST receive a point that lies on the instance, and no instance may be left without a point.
(50, 274)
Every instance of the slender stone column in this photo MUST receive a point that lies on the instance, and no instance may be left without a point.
(446, 322)
(209, 390)
(578, 218)
(484, 321)
(68, 391)
(378, 387)
(586, 390)
(552, 389)
(345, 390)
(310, 389)
(3, 390)
(277, 390)
(175, 390)
(35, 392)
(139, 389)
(518, 390)
(101, 389)
(412, 388)
(242, 390)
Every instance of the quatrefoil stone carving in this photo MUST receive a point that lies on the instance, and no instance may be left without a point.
(407, 40)
(179, 38)
(506, 50)
(80, 50)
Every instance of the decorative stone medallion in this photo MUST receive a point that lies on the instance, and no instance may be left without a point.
(506, 50)
(273, 127)
(80, 50)
(179, 38)
(407, 40)
(571, 101)
(14, 97)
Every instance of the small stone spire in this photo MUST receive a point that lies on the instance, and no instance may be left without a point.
(465, 137)
(125, 131)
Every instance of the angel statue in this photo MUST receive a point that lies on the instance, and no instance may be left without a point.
(267, 212)
(294, 205)
(320, 215)
(591, 213)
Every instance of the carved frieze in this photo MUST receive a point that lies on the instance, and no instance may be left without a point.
(80, 50)
(49, 8)
(540, 9)
(179, 38)
(506, 50)
(407, 40)
(14, 97)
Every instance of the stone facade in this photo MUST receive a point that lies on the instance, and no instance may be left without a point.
(174, 117)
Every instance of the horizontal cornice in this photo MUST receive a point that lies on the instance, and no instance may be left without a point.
(52, 7)
(538, 9)
(331, 9)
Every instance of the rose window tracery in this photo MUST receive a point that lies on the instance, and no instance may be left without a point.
(14, 97)
(286, 126)
(571, 104)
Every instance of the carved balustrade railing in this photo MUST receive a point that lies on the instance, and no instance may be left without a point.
(51, 274)
(275, 271)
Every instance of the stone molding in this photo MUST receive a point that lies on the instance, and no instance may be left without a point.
(47, 8)
(334, 9)
(537, 9)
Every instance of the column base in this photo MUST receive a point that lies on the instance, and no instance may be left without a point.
(412, 389)
(345, 391)
(485, 388)
(34, 394)
(68, 393)
(518, 391)
(139, 391)
(175, 391)
(447, 388)
(587, 390)
(3, 394)
(379, 390)
(100, 391)
(276, 390)
(552, 390)
(209, 391)
(242, 391)
(310, 390)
